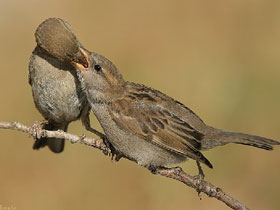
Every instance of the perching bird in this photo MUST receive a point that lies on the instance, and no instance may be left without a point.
(146, 125)
(56, 90)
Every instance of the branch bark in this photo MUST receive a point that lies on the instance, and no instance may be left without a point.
(176, 173)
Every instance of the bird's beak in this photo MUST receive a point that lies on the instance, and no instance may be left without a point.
(81, 60)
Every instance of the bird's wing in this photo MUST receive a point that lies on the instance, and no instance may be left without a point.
(141, 114)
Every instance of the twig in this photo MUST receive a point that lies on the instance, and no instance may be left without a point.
(36, 132)
(174, 173)
(201, 186)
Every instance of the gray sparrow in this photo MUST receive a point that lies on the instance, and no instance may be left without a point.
(146, 125)
(55, 87)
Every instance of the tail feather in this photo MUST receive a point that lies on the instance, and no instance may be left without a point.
(56, 145)
(251, 140)
(217, 137)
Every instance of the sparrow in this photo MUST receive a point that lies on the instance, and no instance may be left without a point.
(146, 125)
(141, 123)
(55, 87)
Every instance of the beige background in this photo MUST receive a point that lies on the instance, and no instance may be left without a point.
(220, 58)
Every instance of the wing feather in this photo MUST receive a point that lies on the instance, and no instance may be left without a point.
(147, 118)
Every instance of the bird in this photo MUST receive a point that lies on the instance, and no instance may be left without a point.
(141, 123)
(55, 87)
(147, 126)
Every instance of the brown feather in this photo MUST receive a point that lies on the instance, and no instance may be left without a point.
(140, 112)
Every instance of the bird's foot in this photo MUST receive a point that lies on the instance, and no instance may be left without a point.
(177, 170)
(111, 151)
(153, 169)
(116, 156)
(36, 129)
(81, 139)
(199, 179)
(107, 152)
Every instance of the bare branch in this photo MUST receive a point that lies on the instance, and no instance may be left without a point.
(174, 173)
(37, 132)
(200, 186)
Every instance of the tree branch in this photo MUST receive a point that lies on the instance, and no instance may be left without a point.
(36, 131)
(176, 173)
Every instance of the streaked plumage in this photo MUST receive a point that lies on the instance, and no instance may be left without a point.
(142, 123)
(146, 125)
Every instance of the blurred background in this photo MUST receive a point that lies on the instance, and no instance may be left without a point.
(220, 58)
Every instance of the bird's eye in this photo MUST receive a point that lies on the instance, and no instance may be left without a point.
(97, 67)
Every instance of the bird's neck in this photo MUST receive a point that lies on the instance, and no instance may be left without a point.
(103, 97)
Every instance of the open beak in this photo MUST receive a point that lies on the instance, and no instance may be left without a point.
(81, 60)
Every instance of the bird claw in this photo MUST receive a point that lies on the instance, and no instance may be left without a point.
(111, 151)
(81, 139)
(36, 129)
(198, 185)
(116, 156)
(177, 170)
(153, 169)
(108, 151)
(199, 179)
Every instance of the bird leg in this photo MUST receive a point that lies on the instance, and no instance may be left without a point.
(200, 171)
(115, 155)
(86, 122)
(37, 129)
(199, 178)
(106, 142)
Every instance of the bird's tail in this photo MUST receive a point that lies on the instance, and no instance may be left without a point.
(56, 145)
(217, 137)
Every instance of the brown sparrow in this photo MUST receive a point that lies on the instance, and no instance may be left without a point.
(141, 123)
(56, 90)
(146, 125)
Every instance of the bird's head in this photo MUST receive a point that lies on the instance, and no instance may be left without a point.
(56, 37)
(101, 78)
